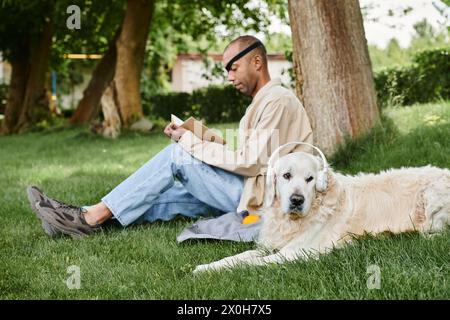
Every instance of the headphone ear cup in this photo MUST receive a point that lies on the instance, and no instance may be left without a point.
(321, 184)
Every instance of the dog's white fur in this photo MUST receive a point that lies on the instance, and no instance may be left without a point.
(398, 200)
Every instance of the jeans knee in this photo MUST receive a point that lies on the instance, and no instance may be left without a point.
(180, 157)
(170, 153)
(169, 149)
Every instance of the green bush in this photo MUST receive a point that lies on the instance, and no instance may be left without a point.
(434, 68)
(426, 80)
(219, 104)
(162, 105)
(213, 104)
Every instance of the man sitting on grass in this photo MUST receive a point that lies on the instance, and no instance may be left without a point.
(210, 177)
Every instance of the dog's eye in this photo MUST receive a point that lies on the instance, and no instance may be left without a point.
(287, 176)
(309, 179)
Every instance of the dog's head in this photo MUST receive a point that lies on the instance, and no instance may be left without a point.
(294, 180)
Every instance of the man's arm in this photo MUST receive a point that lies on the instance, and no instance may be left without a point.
(251, 158)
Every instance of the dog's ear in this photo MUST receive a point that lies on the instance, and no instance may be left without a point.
(269, 193)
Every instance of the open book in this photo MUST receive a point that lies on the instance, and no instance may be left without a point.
(198, 129)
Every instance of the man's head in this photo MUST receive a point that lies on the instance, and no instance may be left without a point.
(248, 73)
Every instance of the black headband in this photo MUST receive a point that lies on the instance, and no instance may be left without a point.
(241, 54)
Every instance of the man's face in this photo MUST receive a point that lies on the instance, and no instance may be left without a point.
(243, 74)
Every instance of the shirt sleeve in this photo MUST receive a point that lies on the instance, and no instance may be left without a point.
(251, 158)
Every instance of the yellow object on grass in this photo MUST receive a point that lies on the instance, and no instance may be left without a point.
(251, 218)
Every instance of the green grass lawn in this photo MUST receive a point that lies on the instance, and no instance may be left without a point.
(145, 262)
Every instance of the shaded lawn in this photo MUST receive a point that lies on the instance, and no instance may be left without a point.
(145, 262)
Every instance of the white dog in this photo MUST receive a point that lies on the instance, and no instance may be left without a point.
(309, 209)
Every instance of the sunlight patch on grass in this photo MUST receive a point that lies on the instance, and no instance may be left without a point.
(412, 117)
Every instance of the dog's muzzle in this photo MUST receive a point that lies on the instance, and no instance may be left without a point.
(296, 203)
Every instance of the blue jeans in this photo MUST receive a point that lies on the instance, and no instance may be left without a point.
(152, 193)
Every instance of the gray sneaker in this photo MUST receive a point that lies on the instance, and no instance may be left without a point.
(66, 218)
(34, 197)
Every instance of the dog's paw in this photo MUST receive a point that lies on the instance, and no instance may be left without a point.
(201, 268)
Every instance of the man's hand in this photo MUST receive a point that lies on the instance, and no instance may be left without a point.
(174, 132)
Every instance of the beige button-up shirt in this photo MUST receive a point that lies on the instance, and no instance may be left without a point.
(274, 117)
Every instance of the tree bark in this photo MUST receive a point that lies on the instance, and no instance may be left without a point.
(35, 101)
(89, 106)
(130, 59)
(16, 91)
(334, 73)
(111, 125)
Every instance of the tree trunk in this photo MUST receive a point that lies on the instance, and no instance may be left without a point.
(334, 73)
(89, 106)
(110, 128)
(16, 91)
(35, 101)
(130, 58)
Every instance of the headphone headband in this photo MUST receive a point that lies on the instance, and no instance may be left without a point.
(325, 163)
